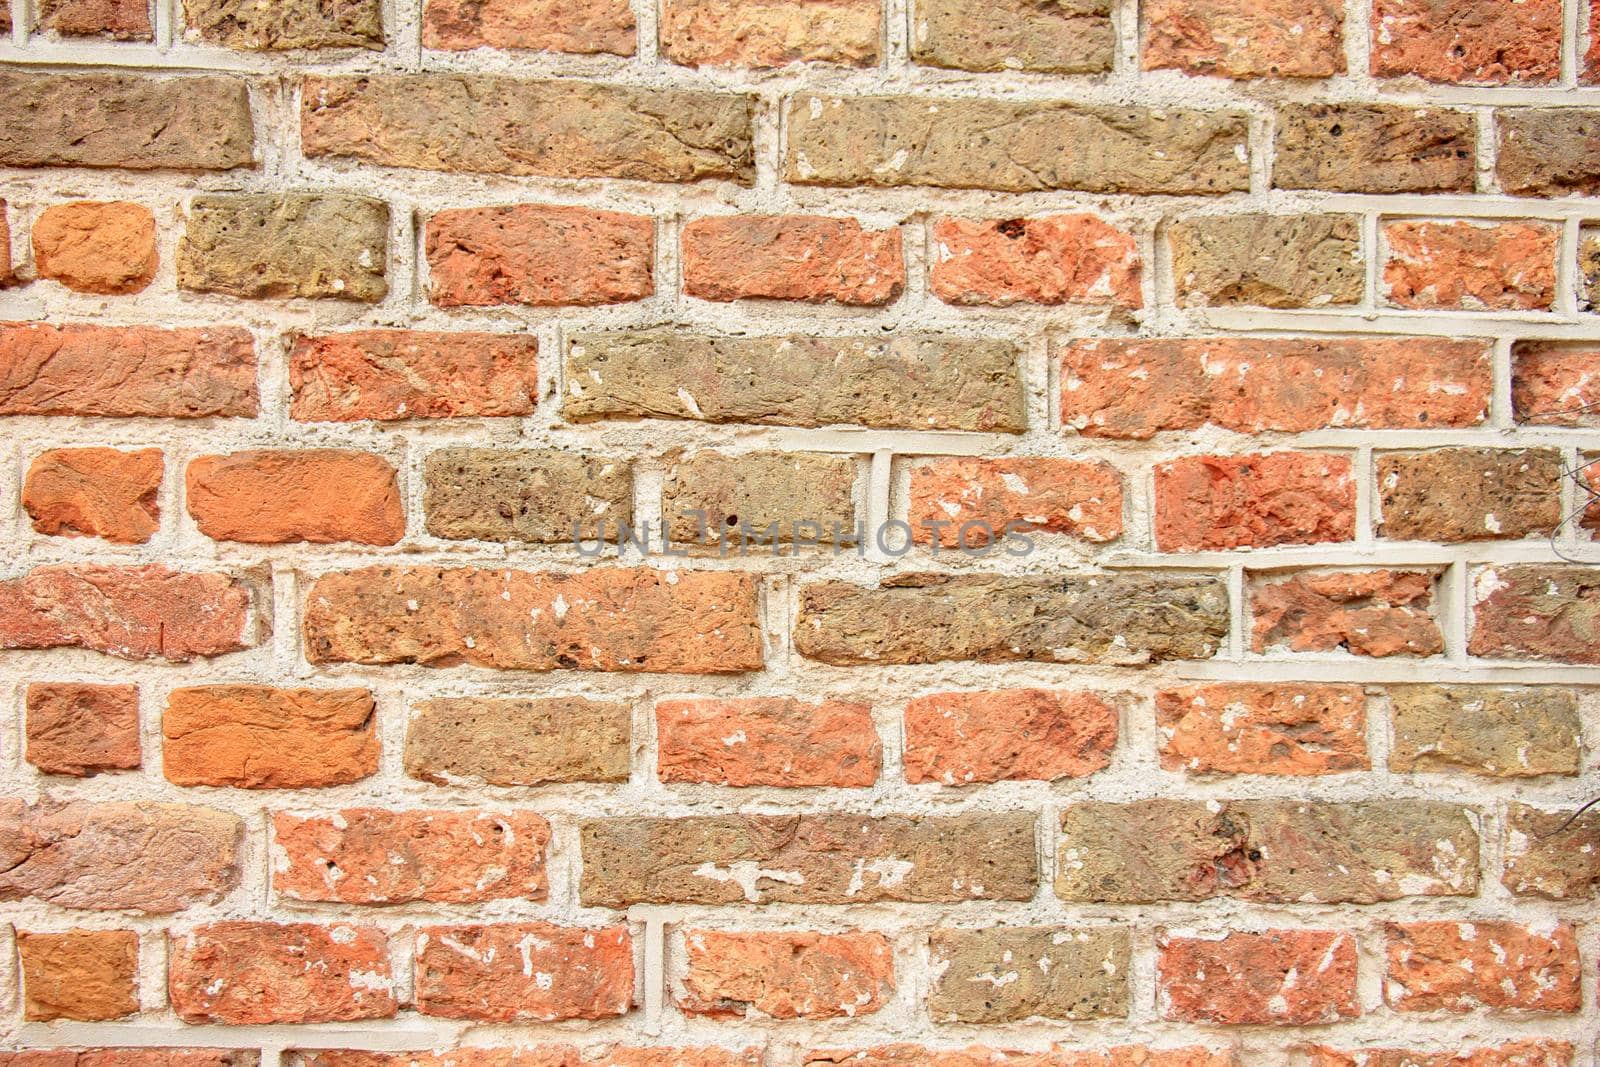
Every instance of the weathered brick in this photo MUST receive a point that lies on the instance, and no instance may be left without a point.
(1053, 259)
(1366, 148)
(906, 1055)
(273, 245)
(1588, 269)
(258, 737)
(769, 33)
(121, 20)
(961, 738)
(89, 246)
(1280, 261)
(1130, 388)
(1532, 1053)
(1537, 612)
(320, 495)
(1548, 151)
(95, 492)
(54, 119)
(549, 25)
(6, 275)
(1123, 618)
(1552, 854)
(413, 374)
(541, 1056)
(133, 1057)
(1245, 38)
(242, 973)
(1469, 266)
(967, 503)
(139, 612)
(738, 497)
(81, 729)
(1280, 977)
(1012, 973)
(1254, 501)
(83, 974)
(372, 856)
(807, 859)
(1265, 728)
(800, 975)
(1268, 851)
(1366, 613)
(280, 25)
(776, 741)
(911, 381)
(607, 619)
(1464, 966)
(538, 255)
(1555, 384)
(1503, 733)
(1075, 37)
(146, 857)
(126, 371)
(792, 257)
(524, 971)
(1012, 146)
(1467, 42)
(547, 496)
(1469, 494)
(519, 742)
(479, 123)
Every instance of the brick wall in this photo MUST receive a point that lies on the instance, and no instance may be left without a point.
(328, 321)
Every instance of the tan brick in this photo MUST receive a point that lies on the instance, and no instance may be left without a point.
(519, 742)
(1263, 728)
(276, 245)
(1552, 854)
(539, 256)
(770, 33)
(550, 25)
(281, 25)
(738, 497)
(546, 496)
(792, 257)
(773, 975)
(1074, 37)
(907, 1055)
(1364, 148)
(773, 741)
(1469, 494)
(1499, 732)
(1280, 261)
(1548, 151)
(1531, 1053)
(1044, 972)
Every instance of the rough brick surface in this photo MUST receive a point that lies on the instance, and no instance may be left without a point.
(709, 497)
(317, 495)
(1263, 729)
(1282, 977)
(1280, 261)
(1469, 494)
(1467, 41)
(540, 256)
(82, 729)
(1007, 974)
(792, 257)
(1556, 385)
(281, 25)
(967, 503)
(1277, 498)
(1374, 149)
(1503, 733)
(1138, 388)
(906, 1055)
(86, 975)
(524, 971)
(1460, 966)
(257, 737)
(1055, 259)
(241, 973)
(777, 741)
(1075, 37)
(1536, 613)
(1548, 151)
(120, 20)
(96, 247)
(132, 1057)
(1245, 38)
(786, 975)
(272, 245)
(518, 742)
(762, 33)
(391, 375)
(1367, 613)
(1532, 1053)
(1552, 854)
(543, 496)
(962, 738)
(549, 25)
(1475, 267)
(95, 492)
(541, 1056)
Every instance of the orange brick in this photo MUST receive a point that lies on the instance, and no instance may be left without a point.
(792, 257)
(1056, 259)
(1238, 728)
(775, 741)
(961, 738)
(786, 975)
(319, 495)
(95, 492)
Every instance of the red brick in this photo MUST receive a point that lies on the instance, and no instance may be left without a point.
(1556, 384)
(548, 25)
(1281, 977)
(1590, 67)
(371, 856)
(6, 277)
(144, 612)
(84, 974)
(542, 1056)
(518, 971)
(258, 737)
(1470, 266)
(1138, 388)
(1241, 728)
(1501, 966)
(1056, 259)
(95, 492)
(126, 371)
(81, 729)
(773, 975)
(1245, 38)
(96, 247)
(792, 257)
(770, 33)
(145, 857)
(1008, 734)
(1468, 42)
(122, 20)
(1254, 501)
(777, 741)
(607, 619)
(133, 1057)
(1119, 1056)
(1367, 613)
(1536, 613)
(320, 495)
(412, 374)
(1019, 495)
(251, 973)
(540, 256)
(1532, 1053)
